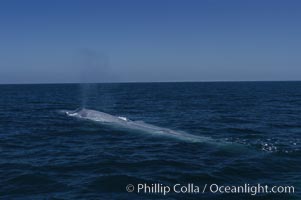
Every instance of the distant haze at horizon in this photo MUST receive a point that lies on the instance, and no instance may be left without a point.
(149, 41)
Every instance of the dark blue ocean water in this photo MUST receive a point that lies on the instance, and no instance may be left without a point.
(45, 154)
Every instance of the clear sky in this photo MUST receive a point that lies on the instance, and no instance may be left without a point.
(53, 41)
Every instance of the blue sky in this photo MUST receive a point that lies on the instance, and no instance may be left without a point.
(149, 40)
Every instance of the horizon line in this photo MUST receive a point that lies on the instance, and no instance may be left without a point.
(125, 82)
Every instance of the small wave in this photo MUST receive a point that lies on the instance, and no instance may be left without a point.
(270, 144)
(31, 184)
(114, 183)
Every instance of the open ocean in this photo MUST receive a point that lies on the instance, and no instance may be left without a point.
(46, 154)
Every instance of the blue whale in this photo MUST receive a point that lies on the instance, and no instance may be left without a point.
(124, 123)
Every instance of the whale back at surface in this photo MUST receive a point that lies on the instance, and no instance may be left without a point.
(122, 123)
(140, 126)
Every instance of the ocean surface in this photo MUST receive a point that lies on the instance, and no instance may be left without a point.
(249, 134)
